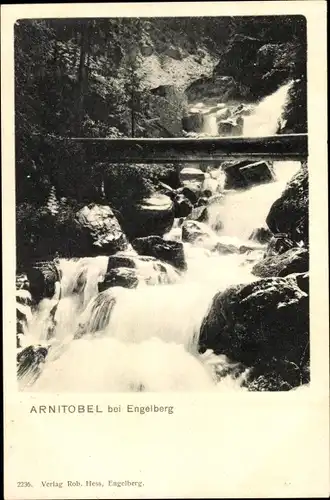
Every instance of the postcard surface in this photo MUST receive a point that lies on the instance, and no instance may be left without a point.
(166, 328)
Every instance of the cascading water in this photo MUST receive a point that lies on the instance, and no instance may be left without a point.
(266, 117)
(147, 338)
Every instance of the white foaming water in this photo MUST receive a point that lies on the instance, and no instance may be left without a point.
(147, 338)
(266, 117)
(242, 211)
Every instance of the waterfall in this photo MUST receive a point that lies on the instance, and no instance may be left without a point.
(266, 117)
(146, 339)
(210, 126)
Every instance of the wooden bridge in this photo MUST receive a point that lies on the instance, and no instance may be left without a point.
(195, 150)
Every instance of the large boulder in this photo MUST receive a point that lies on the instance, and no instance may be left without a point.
(234, 177)
(189, 193)
(168, 251)
(103, 232)
(42, 277)
(289, 213)
(122, 276)
(261, 234)
(193, 122)
(154, 215)
(295, 260)
(258, 322)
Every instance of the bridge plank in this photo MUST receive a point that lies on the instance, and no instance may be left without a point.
(181, 150)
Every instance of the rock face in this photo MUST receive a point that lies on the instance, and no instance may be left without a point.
(166, 250)
(289, 214)
(142, 270)
(155, 215)
(257, 322)
(102, 229)
(193, 122)
(295, 260)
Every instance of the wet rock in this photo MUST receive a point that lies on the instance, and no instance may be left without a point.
(303, 281)
(192, 175)
(146, 50)
(289, 214)
(279, 244)
(234, 177)
(193, 122)
(189, 193)
(182, 206)
(103, 232)
(225, 248)
(295, 260)
(155, 215)
(222, 114)
(258, 173)
(215, 199)
(116, 261)
(42, 277)
(261, 235)
(199, 213)
(166, 250)
(167, 190)
(258, 322)
(122, 276)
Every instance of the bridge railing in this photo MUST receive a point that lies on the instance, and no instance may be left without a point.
(185, 150)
